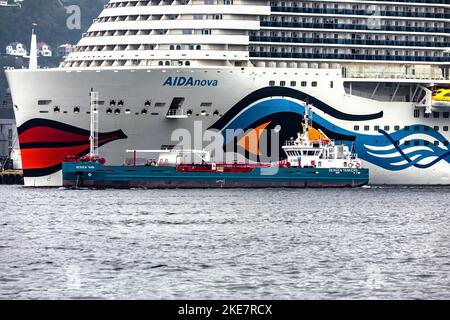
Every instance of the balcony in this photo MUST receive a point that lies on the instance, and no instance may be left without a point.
(361, 42)
(335, 26)
(377, 58)
(368, 13)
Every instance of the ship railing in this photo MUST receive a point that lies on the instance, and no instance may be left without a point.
(393, 75)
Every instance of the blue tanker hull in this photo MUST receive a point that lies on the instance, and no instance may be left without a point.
(97, 176)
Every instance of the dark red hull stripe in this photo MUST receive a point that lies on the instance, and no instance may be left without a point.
(45, 144)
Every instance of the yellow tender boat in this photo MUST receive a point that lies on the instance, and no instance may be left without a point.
(441, 97)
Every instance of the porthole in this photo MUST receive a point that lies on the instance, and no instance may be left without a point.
(76, 110)
(112, 103)
(147, 103)
(109, 111)
(57, 109)
(120, 103)
(144, 111)
(117, 111)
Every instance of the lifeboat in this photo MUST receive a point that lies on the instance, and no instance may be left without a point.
(441, 98)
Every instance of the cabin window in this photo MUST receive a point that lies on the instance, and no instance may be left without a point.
(366, 128)
(436, 128)
(304, 83)
(397, 128)
(160, 104)
(282, 83)
(44, 102)
(446, 115)
(436, 143)
(293, 83)
(356, 128)
(407, 143)
(416, 113)
(272, 83)
(407, 128)
(376, 128)
(314, 84)
(426, 115)
(436, 115)
(445, 128)
(387, 128)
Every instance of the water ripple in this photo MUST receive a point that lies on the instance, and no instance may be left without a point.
(388, 243)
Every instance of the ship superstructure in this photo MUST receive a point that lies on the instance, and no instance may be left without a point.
(369, 68)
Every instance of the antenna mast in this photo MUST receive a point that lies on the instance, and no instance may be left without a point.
(94, 124)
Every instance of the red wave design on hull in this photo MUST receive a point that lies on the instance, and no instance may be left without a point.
(45, 144)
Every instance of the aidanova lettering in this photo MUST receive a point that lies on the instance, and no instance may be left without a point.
(189, 82)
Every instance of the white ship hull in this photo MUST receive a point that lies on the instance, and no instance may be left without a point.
(222, 98)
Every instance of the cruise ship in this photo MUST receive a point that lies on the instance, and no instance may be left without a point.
(375, 73)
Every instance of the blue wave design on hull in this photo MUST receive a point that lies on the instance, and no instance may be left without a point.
(384, 150)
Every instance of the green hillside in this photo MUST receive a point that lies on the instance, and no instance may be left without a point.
(51, 17)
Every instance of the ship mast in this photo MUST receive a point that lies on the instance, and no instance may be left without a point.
(94, 124)
(307, 122)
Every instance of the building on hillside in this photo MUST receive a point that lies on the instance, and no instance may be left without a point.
(64, 50)
(9, 142)
(16, 49)
(44, 49)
